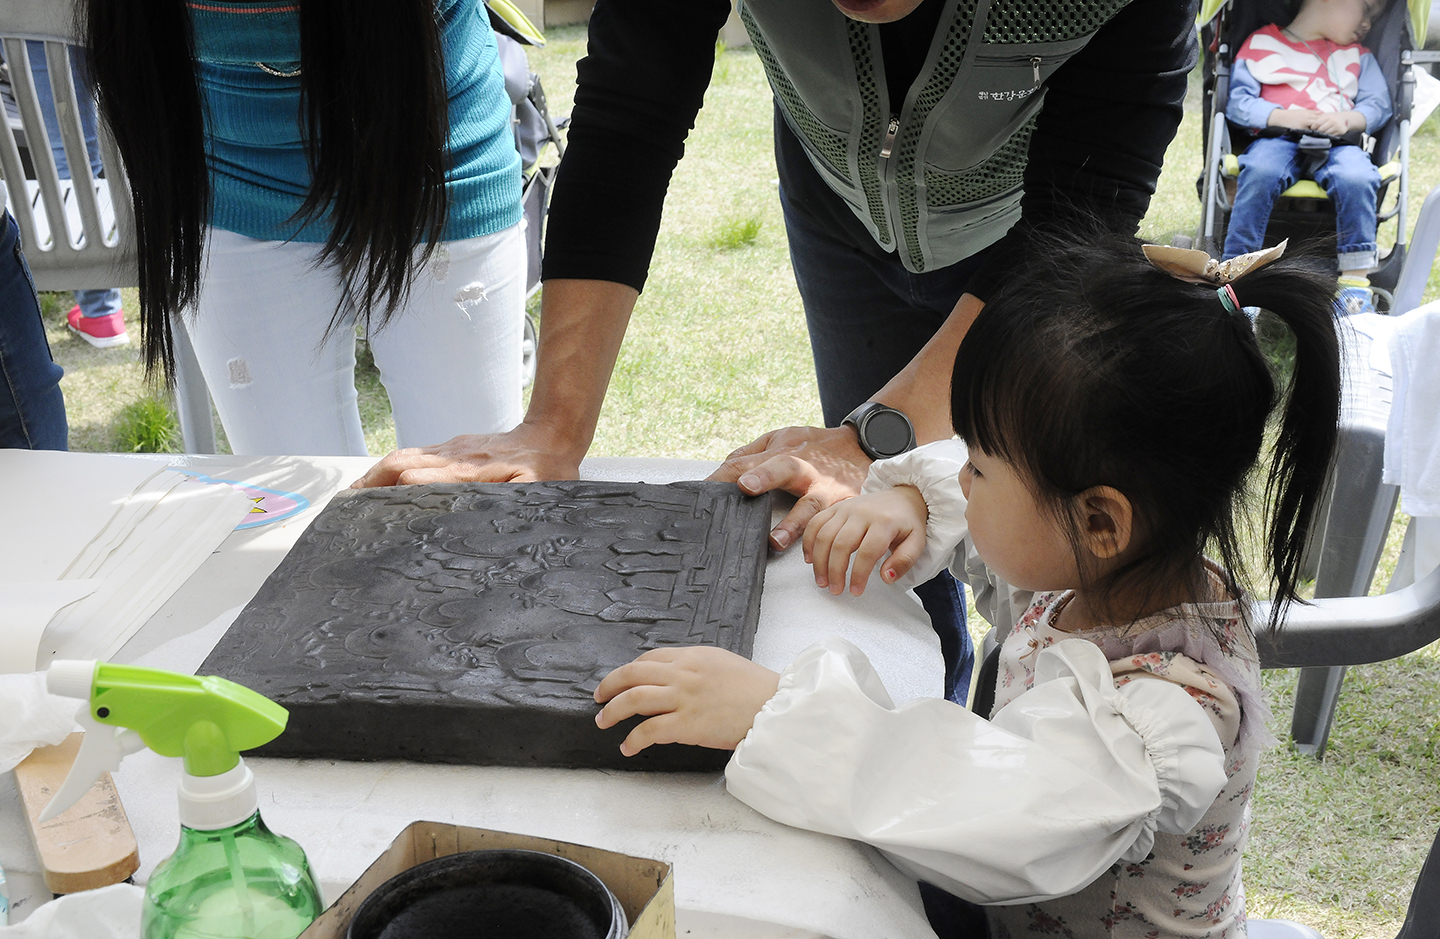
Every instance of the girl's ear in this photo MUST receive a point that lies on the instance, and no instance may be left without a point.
(1106, 521)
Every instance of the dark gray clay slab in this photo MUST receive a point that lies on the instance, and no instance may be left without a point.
(470, 623)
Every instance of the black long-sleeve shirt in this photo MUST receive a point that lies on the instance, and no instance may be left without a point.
(1109, 114)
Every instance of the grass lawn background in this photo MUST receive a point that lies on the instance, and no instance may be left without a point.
(717, 354)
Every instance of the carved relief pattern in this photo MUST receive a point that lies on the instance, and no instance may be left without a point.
(499, 594)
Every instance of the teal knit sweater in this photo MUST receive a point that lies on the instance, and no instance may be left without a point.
(254, 140)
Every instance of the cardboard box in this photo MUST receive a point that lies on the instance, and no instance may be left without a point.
(645, 888)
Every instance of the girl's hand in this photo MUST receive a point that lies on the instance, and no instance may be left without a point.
(867, 526)
(699, 695)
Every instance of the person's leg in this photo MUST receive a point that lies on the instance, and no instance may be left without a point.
(40, 72)
(103, 305)
(451, 358)
(867, 318)
(32, 407)
(1353, 183)
(97, 318)
(1267, 169)
(282, 383)
(97, 303)
(84, 100)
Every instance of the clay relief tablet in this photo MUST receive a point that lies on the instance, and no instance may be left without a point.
(470, 623)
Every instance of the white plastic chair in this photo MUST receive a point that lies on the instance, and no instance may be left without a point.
(1360, 506)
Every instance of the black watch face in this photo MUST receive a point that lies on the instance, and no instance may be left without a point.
(887, 432)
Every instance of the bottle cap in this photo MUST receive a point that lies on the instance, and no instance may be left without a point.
(71, 678)
(208, 803)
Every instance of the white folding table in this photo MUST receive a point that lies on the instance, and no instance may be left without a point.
(737, 873)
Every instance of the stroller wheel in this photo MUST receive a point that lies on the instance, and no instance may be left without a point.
(528, 346)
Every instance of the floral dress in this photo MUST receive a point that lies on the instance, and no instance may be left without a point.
(1190, 884)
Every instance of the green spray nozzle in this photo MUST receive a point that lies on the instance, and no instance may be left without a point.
(206, 720)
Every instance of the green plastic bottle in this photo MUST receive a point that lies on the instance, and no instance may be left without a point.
(231, 877)
(243, 881)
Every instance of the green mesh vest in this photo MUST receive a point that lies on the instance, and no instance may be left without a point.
(942, 179)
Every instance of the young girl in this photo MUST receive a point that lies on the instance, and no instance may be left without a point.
(1110, 415)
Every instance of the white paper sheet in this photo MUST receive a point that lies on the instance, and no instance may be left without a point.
(57, 504)
(131, 514)
(25, 609)
(155, 557)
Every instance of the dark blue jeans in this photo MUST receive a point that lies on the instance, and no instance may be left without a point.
(1273, 164)
(868, 317)
(32, 409)
(92, 303)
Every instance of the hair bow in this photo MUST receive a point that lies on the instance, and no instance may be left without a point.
(1197, 267)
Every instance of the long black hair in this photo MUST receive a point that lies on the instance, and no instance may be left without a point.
(1092, 367)
(375, 124)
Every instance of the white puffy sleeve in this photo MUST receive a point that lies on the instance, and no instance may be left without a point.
(1088, 772)
(934, 469)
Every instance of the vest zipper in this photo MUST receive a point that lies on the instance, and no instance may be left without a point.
(891, 130)
(1035, 64)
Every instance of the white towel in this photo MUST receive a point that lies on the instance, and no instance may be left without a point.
(1412, 438)
(33, 717)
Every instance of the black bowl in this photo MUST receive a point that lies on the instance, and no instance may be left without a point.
(505, 894)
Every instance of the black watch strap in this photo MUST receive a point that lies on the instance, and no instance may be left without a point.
(883, 431)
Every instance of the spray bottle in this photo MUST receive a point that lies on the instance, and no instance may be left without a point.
(231, 877)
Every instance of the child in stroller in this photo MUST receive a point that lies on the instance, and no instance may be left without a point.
(1309, 90)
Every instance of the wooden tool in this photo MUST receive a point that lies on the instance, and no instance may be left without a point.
(90, 844)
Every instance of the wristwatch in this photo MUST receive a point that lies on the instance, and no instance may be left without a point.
(883, 431)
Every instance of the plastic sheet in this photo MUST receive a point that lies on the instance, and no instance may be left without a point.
(108, 913)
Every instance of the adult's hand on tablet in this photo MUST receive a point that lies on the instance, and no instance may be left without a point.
(528, 452)
(582, 325)
(820, 465)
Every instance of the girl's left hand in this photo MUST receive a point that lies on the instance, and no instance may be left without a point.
(698, 695)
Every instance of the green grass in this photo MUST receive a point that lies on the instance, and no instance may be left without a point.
(717, 354)
(736, 233)
(148, 425)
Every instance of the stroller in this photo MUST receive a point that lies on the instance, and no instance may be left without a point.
(536, 133)
(1304, 211)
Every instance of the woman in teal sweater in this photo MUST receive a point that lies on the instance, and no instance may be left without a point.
(301, 167)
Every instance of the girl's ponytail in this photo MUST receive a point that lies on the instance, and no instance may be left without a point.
(1305, 445)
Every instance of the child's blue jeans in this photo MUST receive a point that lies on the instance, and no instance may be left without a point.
(1273, 164)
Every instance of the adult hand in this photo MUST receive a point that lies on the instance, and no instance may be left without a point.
(528, 452)
(825, 465)
(820, 465)
(581, 327)
(699, 695)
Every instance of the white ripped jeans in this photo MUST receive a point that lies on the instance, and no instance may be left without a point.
(450, 358)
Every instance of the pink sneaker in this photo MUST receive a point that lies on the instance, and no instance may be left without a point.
(102, 332)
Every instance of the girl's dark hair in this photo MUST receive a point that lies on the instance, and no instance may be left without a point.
(375, 124)
(1092, 367)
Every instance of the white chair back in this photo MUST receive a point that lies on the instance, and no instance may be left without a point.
(77, 233)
